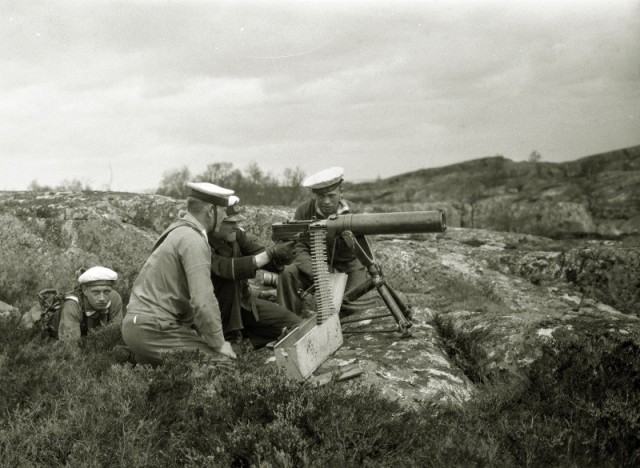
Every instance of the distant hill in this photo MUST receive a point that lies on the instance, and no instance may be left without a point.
(598, 195)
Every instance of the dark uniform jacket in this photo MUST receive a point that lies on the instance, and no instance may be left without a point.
(231, 268)
(339, 256)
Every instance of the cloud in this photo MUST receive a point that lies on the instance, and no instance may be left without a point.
(140, 87)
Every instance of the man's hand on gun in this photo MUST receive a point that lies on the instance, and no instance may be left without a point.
(282, 252)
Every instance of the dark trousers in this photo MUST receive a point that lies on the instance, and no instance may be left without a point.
(292, 282)
(272, 318)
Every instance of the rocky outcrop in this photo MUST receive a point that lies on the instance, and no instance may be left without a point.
(609, 273)
(523, 290)
(46, 237)
(596, 196)
(548, 218)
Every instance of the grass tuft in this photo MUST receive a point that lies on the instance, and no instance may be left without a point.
(69, 405)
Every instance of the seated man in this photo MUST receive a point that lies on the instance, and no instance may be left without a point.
(235, 258)
(172, 305)
(95, 303)
(326, 187)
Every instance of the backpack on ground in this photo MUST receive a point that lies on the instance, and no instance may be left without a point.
(51, 302)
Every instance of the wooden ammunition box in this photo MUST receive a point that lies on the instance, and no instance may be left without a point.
(303, 350)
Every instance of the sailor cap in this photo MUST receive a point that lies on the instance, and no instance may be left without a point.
(234, 213)
(325, 180)
(210, 193)
(98, 276)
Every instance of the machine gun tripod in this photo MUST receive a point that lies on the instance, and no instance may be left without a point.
(398, 309)
(353, 228)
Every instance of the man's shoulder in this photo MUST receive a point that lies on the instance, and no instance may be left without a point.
(185, 231)
(244, 236)
(191, 228)
(248, 243)
(177, 232)
(305, 210)
(216, 244)
(221, 245)
(306, 202)
(351, 207)
(71, 302)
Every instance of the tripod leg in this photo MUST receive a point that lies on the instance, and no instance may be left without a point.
(398, 309)
(357, 291)
(406, 310)
(397, 313)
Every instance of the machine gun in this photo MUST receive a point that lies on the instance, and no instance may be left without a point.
(403, 222)
(353, 228)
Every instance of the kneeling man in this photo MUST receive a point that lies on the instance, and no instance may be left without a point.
(172, 305)
(236, 256)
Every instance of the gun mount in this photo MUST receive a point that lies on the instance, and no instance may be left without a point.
(304, 349)
(354, 228)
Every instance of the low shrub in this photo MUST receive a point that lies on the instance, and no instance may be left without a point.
(68, 405)
(578, 404)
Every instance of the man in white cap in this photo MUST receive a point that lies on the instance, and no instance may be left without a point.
(172, 305)
(326, 188)
(95, 303)
(236, 257)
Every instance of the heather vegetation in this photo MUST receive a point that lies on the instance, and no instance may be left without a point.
(69, 405)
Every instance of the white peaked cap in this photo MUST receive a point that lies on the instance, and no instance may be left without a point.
(210, 193)
(324, 180)
(98, 276)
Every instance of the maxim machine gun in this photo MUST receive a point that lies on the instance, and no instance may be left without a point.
(353, 228)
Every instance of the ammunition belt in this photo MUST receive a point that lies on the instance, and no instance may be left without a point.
(324, 300)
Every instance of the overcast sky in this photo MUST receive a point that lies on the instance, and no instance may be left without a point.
(116, 93)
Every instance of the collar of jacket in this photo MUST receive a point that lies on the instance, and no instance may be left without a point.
(343, 207)
(86, 306)
(216, 243)
(90, 311)
(188, 217)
